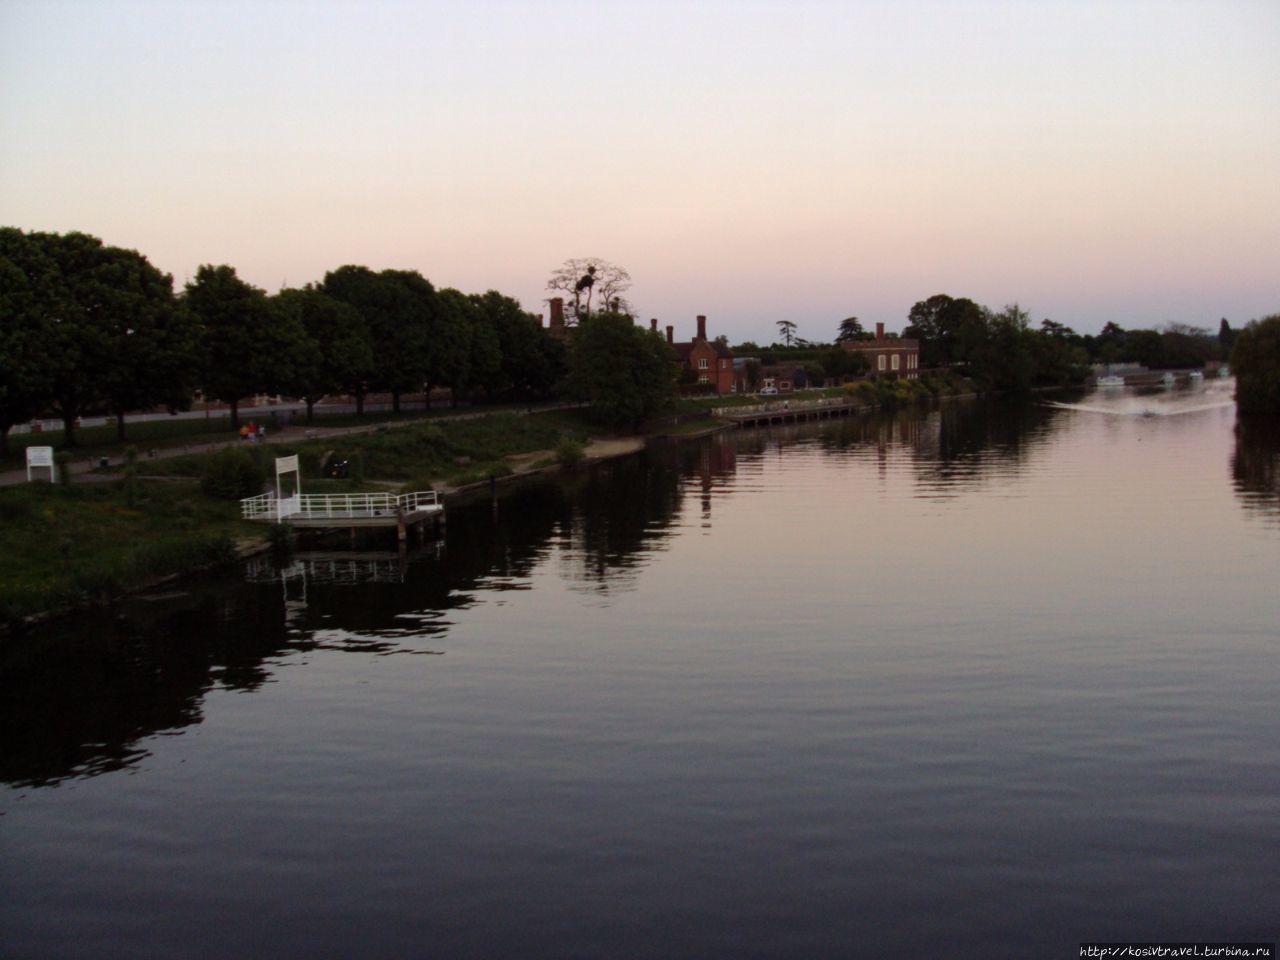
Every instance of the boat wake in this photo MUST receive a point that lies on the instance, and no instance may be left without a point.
(1142, 407)
(1213, 397)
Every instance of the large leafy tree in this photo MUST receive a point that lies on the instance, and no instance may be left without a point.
(400, 309)
(531, 362)
(587, 281)
(338, 355)
(457, 331)
(1004, 358)
(850, 329)
(1255, 361)
(950, 329)
(157, 359)
(626, 372)
(105, 320)
(27, 280)
(249, 347)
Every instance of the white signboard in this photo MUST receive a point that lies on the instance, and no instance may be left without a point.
(288, 506)
(41, 457)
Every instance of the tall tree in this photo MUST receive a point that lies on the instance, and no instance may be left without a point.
(1255, 361)
(626, 372)
(586, 280)
(459, 326)
(338, 357)
(27, 277)
(923, 324)
(1226, 336)
(249, 348)
(111, 333)
(787, 330)
(157, 350)
(531, 362)
(400, 309)
(1004, 358)
(850, 329)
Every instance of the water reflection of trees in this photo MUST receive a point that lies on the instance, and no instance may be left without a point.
(1255, 464)
(78, 699)
(972, 442)
(81, 697)
(956, 446)
(622, 511)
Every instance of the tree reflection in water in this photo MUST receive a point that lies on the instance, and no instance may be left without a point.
(81, 697)
(1255, 464)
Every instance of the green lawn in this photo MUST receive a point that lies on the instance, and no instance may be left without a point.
(448, 451)
(62, 545)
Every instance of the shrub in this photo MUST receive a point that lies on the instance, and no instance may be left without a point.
(863, 392)
(569, 452)
(231, 474)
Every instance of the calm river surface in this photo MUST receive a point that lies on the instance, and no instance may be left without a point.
(979, 682)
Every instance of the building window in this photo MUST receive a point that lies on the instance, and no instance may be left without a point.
(896, 360)
(724, 364)
(702, 363)
(880, 363)
(703, 379)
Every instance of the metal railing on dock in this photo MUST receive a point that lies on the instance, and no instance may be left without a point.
(338, 507)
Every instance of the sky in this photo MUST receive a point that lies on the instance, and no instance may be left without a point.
(750, 161)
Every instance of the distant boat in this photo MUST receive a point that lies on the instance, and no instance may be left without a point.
(1111, 381)
(1167, 379)
(1224, 371)
(1196, 375)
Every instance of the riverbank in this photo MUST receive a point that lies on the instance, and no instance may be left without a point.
(66, 547)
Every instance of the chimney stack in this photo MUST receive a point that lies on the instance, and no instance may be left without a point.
(702, 327)
(671, 334)
(879, 331)
(653, 324)
(557, 312)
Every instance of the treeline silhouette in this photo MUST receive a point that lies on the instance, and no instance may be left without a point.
(91, 329)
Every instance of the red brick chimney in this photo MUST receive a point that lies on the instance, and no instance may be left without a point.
(671, 334)
(557, 312)
(879, 331)
(653, 324)
(702, 327)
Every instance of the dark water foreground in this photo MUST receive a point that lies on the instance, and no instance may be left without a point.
(984, 682)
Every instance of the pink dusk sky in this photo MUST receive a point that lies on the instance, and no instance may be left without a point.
(750, 161)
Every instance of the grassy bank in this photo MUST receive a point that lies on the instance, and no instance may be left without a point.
(62, 546)
(445, 453)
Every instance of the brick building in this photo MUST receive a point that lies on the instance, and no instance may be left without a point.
(888, 354)
(711, 362)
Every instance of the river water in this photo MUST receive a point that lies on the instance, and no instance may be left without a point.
(985, 681)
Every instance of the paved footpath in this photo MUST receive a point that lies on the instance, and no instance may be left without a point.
(295, 433)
